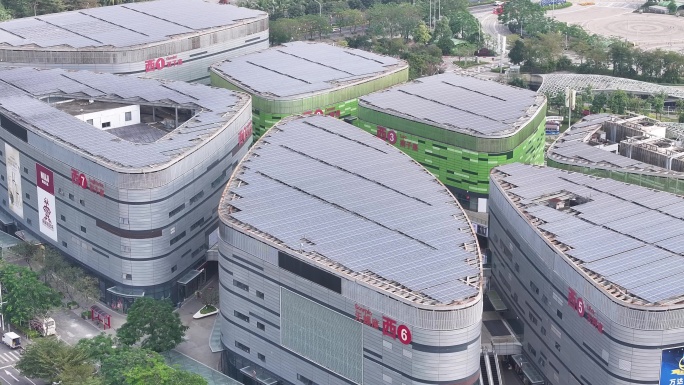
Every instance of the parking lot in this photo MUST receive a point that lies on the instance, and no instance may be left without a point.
(618, 19)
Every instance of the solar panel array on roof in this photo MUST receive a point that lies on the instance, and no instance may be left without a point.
(572, 146)
(302, 183)
(299, 68)
(23, 87)
(123, 25)
(630, 235)
(458, 103)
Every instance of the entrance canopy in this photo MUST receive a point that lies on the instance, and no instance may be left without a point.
(127, 292)
(189, 276)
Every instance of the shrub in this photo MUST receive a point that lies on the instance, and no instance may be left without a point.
(207, 309)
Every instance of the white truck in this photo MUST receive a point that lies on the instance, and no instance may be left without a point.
(12, 340)
(44, 326)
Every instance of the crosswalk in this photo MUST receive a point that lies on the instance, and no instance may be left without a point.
(9, 357)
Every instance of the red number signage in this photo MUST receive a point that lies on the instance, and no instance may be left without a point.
(161, 63)
(245, 133)
(389, 326)
(391, 137)
(583, 310)
(87, 183)
(330, 111)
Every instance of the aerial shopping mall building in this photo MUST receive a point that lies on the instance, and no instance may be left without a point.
(592, 270)
(120, 173)
(307, 78)
(167, 39)
(459, 128)
(343, 261)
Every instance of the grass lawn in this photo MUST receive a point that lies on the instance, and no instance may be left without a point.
(207, 309)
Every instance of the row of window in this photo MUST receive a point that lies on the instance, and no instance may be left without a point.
(245, 287)
(246, 349)
(245, 318)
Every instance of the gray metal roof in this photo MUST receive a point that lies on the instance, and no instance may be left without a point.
(571, 147)
(21, 89)
(301, 68)
(633, 237)
(459, 103)
(123, 25)
(364, 205)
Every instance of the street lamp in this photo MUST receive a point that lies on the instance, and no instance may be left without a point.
(320, 8)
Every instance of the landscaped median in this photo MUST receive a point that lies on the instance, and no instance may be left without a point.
(206, 311)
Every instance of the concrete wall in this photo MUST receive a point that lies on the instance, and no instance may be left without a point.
(445, 345)
(116, 117)
(534, 281)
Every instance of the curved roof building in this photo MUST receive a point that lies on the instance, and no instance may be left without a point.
(307, 78)
(121, 173)
(169, 39)
(336, 271)
(592, 268)
(459, 128)
(633, 149)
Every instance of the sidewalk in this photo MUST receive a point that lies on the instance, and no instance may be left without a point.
(197, 337)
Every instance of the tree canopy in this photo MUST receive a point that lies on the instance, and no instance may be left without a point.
(153, 324)
(53, 360)
(25, 295)
(100, 361)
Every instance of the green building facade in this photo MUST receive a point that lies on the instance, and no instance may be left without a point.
(339, 76)
(460, 160)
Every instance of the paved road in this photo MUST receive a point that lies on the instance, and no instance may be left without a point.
(8, 374)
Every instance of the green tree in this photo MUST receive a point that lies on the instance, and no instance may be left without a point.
(130, 366)
(421, 34)
(658, 103)
(28, 252)
(351, 18)
(50, 359)
(154, 324)
(635, 103)
(99, 347)
(423, 60)
(522, 14)
(442, 30)
(446, 45)
(599, 103)
(622, 57)
(617, 102)
(466, 26)
(672, 6)
(517, 53)
(283, 30)
(463, 50)
(4, 13)
(408, 18)
(26, 296)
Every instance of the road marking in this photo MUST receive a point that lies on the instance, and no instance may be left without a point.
(11, 375)
(15, 355)
(70, 334)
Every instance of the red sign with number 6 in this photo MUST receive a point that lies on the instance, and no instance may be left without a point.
(404, 334)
